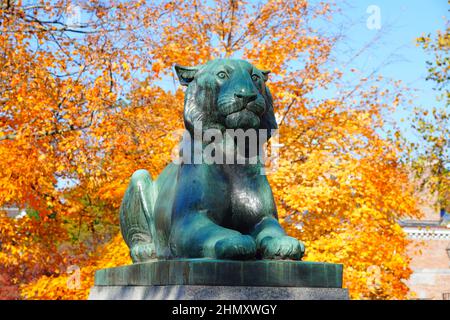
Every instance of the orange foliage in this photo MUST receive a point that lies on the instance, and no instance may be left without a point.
(75, 283)
(88, 105)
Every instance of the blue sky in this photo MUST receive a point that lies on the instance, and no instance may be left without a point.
(401, 22)
(394, 49)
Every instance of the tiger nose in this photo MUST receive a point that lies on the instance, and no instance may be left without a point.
(246, 97)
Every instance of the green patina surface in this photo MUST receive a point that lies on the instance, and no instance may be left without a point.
(224, 273)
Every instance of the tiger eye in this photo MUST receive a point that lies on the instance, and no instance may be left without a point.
(222, 75)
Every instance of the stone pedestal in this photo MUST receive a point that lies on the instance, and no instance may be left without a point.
(214, 293)
(203, 279)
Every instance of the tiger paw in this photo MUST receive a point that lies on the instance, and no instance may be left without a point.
(284, 247)
(240, 247)
(142, 252)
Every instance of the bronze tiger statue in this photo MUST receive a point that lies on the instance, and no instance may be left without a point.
(211, 210)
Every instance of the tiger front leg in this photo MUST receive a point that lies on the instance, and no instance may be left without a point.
(135, 217)
(197, 236)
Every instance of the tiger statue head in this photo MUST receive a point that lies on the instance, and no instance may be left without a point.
(227, 94)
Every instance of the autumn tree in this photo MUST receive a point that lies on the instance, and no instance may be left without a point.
(430, 156)
(60, 79)
(85, 105)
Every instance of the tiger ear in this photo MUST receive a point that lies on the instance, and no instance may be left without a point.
(186, 74)
(265, 74)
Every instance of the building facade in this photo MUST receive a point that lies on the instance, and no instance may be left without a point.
(430, 253)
